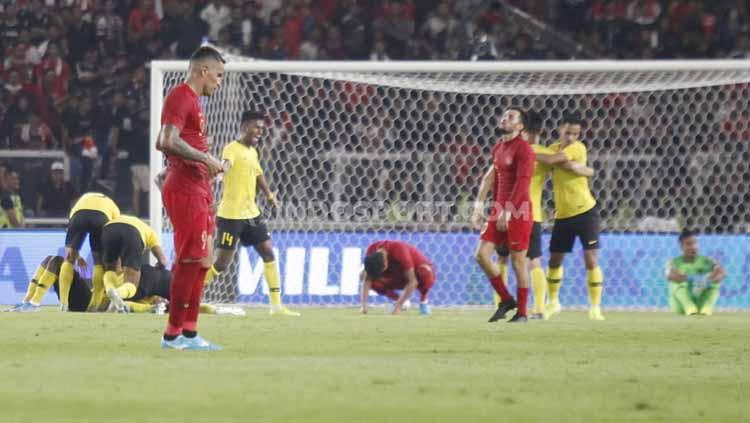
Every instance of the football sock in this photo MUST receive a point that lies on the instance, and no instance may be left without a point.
(194, 306)
(66, 280)
(523, 296)
(136, 307)
(97, 280)
(595, 279)
(685, 299)
(43, 284)
(210, 275)
(183, 275)
(708, 299)
(126, 290)
(207, 309)
(539, 289)
(33, 284)
(499, 285)
(504, 273)
(110, 280)
(189, 333)
(554, 282)
(271, 275)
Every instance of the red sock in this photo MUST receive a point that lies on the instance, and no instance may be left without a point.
(183, 276)
(191, 316)
(502, 291)
(523, 297)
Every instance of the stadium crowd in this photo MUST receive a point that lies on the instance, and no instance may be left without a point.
(74, 71)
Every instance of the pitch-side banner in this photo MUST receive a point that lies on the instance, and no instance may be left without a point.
(323, 268)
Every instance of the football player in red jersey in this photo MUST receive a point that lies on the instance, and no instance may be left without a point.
(187, 195)
(510, 220)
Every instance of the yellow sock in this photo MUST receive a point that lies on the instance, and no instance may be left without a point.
(110, 280)
(66, 280)
(539, 289)
(33, 284)
(97, 280)
(126, 290)
(207, 309)
(274, 282)
(210, 275)
(42, 285)
(136, 307)
(554, 281)
(504, 273)
(595, 279)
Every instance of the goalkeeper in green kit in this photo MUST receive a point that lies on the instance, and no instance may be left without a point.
(694, 280)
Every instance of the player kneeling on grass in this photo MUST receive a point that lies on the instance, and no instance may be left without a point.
(392, 265)
(125, 239)
(693, 279)
(152, 295)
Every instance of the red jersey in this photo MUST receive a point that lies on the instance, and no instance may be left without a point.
(183, 110)
(401, 257)
(514, 163)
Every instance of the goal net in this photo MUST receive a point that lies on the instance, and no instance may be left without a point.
(365, 151)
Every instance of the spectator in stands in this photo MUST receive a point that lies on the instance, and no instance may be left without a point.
(110, 27)
(18, 114)
(136, 143)
(189, 29)
(81, 35)
(310, 48)
(11, 206)
(53, 66)
(34, 134)
(140, 18)
(55, 196)
(78, 140)
(217, 15)
(88, 72)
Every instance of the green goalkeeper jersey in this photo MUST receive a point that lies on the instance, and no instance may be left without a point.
(697, 271)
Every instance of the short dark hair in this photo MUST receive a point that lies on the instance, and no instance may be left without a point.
(572, 118)
(375, 265)
(206, 52)
(249, 115)
(534, 122)
(687, 233)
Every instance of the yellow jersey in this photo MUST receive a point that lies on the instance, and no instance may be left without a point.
(238, 199)
(98, 202)
(571, 191)
(148, 236)
(537, 182)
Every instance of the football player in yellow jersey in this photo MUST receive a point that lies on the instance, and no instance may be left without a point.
(576, 215)
(239, 218)
(125, 239)
(87, 217)
(538, 178)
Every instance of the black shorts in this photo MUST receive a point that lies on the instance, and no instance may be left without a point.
(82, 223)
(123, 241)
(246, 231)
(584, 226)
(154, 281)
(80, 294)
(535, 244)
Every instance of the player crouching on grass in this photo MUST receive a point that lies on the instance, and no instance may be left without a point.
(392, 265)
(152, 295)
(693, 279)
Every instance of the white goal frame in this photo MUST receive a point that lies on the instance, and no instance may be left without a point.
(158, 68)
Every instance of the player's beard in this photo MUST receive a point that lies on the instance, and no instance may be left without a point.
(501, 132)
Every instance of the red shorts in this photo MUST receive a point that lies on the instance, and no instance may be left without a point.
(425, 274)
(193, 223)
(516, 237)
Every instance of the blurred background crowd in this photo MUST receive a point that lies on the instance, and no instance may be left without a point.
(74, 72)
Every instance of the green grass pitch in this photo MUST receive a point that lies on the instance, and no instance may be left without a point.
(334, 365)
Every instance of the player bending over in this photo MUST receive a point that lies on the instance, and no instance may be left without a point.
(187, 195)
(125, 240)
(576, 216)
(538, 178)
(510, 220)
(87, 217)
(397, 265)
(239, 219)
(693, 279)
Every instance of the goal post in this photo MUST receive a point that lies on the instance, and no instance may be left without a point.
(366, 150)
